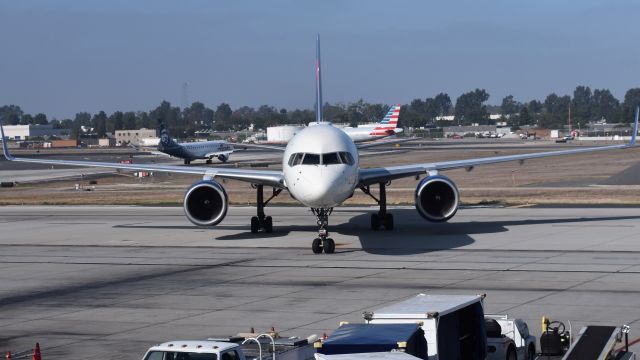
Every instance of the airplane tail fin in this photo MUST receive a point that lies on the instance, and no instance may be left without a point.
(165, 139)
(632, 142)
(5, 147)
(319, 118)
(390, 121)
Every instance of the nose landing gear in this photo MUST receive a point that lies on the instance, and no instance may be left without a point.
(323, 242)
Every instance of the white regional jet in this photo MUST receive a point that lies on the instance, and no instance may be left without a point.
(320, 169)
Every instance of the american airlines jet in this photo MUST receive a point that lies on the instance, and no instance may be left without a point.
(386, 127)
(320, 169)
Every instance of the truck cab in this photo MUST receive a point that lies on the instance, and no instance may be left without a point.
(195, 350)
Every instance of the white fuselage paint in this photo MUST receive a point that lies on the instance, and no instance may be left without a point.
(363, 134)
(321, 186)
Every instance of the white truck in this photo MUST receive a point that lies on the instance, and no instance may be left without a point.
(509, 339)
(453, 325)
(223, 350)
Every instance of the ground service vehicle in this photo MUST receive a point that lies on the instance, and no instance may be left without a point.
(453, 325)
(508, 338)
(366, 338)
(223, 350)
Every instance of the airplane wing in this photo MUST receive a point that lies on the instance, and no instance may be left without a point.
(384, 174)
(254, 176)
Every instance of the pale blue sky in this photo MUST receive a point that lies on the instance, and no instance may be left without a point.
(61, 57)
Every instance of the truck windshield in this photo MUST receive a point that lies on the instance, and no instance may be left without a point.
(166, 355)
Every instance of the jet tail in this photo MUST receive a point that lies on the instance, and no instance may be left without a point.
(632, 142)
(5, 147)
(165, 139)
(390, 121)
(319, 118)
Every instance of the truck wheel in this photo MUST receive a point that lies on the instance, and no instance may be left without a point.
(511, 354)
(531, 354)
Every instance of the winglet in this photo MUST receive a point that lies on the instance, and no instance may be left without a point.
(635, 127)
(5, 147)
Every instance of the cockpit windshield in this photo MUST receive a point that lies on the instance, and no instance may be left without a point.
(334, 158)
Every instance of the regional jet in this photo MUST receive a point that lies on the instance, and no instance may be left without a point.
(194, 150)
(320, 169)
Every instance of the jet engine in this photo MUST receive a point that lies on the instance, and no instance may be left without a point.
(206, 203)
(437, 198)
(223, 157)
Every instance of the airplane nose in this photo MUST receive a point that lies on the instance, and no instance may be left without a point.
(320, 191)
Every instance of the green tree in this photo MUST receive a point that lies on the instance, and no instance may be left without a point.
(10, 114)
(470, 107)
(510, 106)
(99, 123)
(581, 106)
(222, 115)
(129, 120)
(26, 119)
(605, 105)
(115, 122)
(40, 119)
(631, 100)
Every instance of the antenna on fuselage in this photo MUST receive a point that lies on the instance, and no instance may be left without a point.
(319, 118)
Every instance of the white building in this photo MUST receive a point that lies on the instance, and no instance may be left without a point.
(26, 132)
(134, 137)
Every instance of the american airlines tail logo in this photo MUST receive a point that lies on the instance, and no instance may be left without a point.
(389, 123)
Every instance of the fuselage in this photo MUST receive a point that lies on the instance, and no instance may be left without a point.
(368, 133)
(320, 166)
(197, 150)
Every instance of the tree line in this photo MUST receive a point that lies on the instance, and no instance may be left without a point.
(470, 108)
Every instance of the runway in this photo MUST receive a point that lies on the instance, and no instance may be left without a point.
(112, 281)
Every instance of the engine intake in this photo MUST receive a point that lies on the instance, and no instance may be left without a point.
(437, 198)
(206, 203)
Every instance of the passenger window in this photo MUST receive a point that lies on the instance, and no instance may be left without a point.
(311, 159)
(330, 159)
(346, 158)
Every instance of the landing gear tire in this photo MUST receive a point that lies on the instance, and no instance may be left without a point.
(316, 246)
(268, 225)
(209, 161)
(187, 161)
(378, 220)
(329, 246)
(388, 222)
(375, 222)
(265, 225)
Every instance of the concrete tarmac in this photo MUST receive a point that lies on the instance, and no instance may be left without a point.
(112, 281)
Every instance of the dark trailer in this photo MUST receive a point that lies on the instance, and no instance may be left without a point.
(366, 338)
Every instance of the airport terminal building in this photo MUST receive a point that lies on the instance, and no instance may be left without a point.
(26, 132)
(134, 137)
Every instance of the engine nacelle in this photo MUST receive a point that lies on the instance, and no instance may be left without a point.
(437, 198)
(206, 203)
(223, 157)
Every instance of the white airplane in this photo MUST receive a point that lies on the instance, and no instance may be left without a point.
(385, 128)
(320, 169)
(194, 150)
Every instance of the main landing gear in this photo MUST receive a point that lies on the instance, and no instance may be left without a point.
(187, 161)
(323, 242)
(262, 223)
(382, 218)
